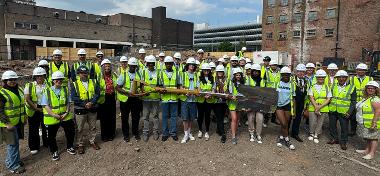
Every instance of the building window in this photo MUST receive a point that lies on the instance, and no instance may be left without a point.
(284, 2)
(298, 1)
(270, 19)
(283, 19)
(297, 17)
(311, 33)
(282, 36)
(271, 3)
(19, 25)
(329, 32)
(331, 13)
(48, 28)
(27, 25)
(296, 34)
(34, 26)
(312, 16)
(270, 35)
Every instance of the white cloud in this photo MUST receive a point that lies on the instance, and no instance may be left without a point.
(240, 10)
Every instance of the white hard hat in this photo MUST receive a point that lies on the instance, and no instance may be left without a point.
(236, 70)
(220, 68)
(241, 58)
(273, 62)
(221, 60)
(247, 66)
(123, 59)
(57, 75)
(225, 56)
(206, 66)
(190, 60)
(332, 66)
(247, 60)
(43, 63)
(39, 71)
(168, 59)
(361, 66)
(105, 61)
(82, 51)
(234, 58)
(142, 51)
(212, 64)
(197, 62)
(285, 70)
(162, 54)
(200, 51)
(256, 67)
(310, 65)
(150, 59)
(99, 53)
(341, 73)
(177, 55)
(320, 73)
(244, 49)
(301, 67)
(132, 61)
(57, 52)
(372, 83)
(9, 74)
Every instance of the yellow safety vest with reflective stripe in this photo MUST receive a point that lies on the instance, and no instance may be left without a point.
(241, 54)
(14, 107)
(272, 79)
(33, 96)
(320, 97)
(263, 71)
(186, 84)
(58, 105)
(152, 81)
(85, 94)
(232, 103)
(121, 70)
(341, 100)
(88, 64)
(360, 86)
(169, 83)
(102, 86)
(206, 88)
(368, 113)
(127, 85)
(64, 68)
(98, 71)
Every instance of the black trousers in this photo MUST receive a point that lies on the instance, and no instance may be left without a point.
(133, 106)
(34, 123)
(204, 111)
(107, 116)
(353, 123)
(343, 122)
(297, 120)
(68, 128)
(220, 110)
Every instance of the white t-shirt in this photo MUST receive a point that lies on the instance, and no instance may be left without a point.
(39, 91)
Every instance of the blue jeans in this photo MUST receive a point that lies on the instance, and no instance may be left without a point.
(169, 110)
(12, 161)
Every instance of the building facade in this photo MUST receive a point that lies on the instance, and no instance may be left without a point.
(248, 34)
(318, 30)
(23, 26)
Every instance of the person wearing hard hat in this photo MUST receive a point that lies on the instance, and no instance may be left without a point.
(242, 62)
(256, 75)
(359, 81)
(45, 65)
(85, 94)
(248, 74)
(234, 64)
(320, 96)
(189, 81)
(200, 54)
(341, 107)
(129, 103)
(59, 65)
(265, 66)
(141, 58)
(240, 54)
(56, 102)
(160, 65)
(82, 53)
(169, 101)
(107, 101)
(33, 92)
(272, 74)
(12, 117)
(220, 106)
(123, 67)
(177, 62)
(368, 115)
(332, 68)
(310, 69)
(151, 102)
(285, 106)
(97, 68)
(301, 88)
(232, 87)
(212, 66)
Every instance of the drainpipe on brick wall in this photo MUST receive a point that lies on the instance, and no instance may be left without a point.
(337, 32)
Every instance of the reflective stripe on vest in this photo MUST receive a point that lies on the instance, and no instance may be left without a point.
(64, 68)
(152, 81)
(33, 97)
(320, 97)
(205, 88)
(360, 86)
(271, 79)
(14, 107)
(58, 105)
(368, 113)
(169, 83)
(341, 100)
(85, 94)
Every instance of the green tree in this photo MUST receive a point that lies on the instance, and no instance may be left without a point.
(226, 47)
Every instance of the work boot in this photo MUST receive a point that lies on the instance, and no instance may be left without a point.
(343, 146)
(156, 136)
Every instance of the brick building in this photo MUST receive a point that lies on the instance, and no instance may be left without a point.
(23, 26)
(314, 30)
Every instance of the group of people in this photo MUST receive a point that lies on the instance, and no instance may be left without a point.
(191, 90)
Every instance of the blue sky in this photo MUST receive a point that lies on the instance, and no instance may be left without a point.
(215, 13)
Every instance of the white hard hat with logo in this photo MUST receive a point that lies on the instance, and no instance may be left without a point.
(256, 67)
(361, 66)
(177, 55)
(38, 71)
(310, 65)
(151, 59)
(332, 66)
(142, 51)
(82, 52)
(320, 73)
(57, 75)
(220, 68)
(123, 59)
(57, 52)
(132, 61)
(341, 73)
(168, 59)
(372, 83)
(212, 64)
(301, 67)
(234, 58)
(43, 63)
(162, 54)
(99, 53)
(200, 51)
(9, 74)
(206, 66)
(285, 70)
(236, 70)
(247, 66)
(105, 61)
(190, 60)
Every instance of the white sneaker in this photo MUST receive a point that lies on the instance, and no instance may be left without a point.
(279, 142)
(184, 139)
(316, 140)
(191, 137)
(310, 137)
(33, 152)
(259, 139)
(368, 157)
(252, 138)
(207, 136)
(292, 147)
(200, 134)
